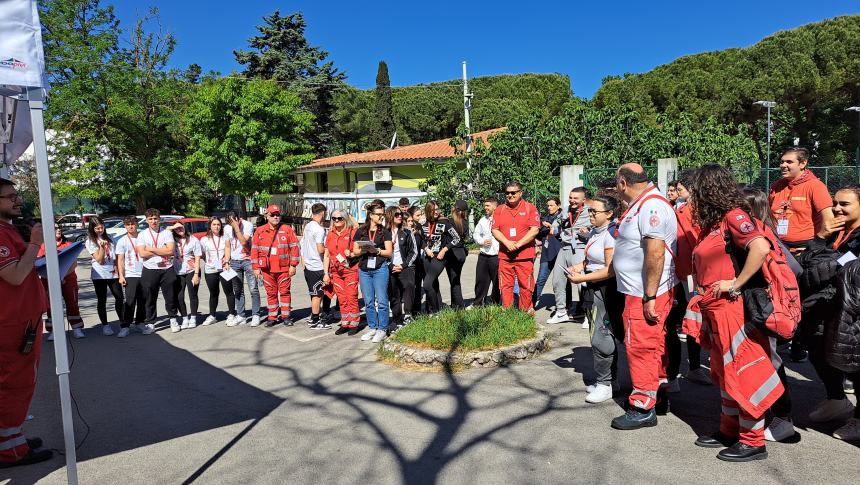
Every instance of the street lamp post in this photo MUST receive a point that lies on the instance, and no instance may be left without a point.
(768, 105)
(856, 109)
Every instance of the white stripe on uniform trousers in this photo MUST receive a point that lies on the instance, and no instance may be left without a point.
(751, 425)
(8, 445)
(4, 432)
(730, 411)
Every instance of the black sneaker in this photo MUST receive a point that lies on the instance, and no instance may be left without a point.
(354, 330)
(288, 322)
(799, 355)
(270, 323)
(743, 452)
(342, 330)
(31, 457)
(34, 443)
(662, 406)
(635, 419)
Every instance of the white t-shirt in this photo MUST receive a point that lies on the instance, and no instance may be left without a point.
(654, 219)
(237, 250)
(150, 238)
(186, 253)
(313, 234)
(213, 252)
(598, 243)
(396, 257)
(107, 269)
(482, 233)
(132, 264)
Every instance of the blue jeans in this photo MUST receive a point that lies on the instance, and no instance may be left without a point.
(543, 276)
(374, 288)
(243, 269)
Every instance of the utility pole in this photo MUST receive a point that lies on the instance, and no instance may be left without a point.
(467, 109)
(768, 105)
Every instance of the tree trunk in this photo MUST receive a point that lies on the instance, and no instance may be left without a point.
(140, 203)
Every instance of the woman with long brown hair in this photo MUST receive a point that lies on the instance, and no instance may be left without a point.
(104, 275)
(741, 355)
(216, 253)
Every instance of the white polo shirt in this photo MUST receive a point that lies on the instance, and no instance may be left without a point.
(237, 251)
(148, 237)
(653, 218)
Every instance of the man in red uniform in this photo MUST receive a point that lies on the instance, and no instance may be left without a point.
(20, 331)
(800, 202)
(515, 226)
(68, 287)
(274, 256)
(645, 242)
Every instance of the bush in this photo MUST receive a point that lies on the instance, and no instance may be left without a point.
(478, 328)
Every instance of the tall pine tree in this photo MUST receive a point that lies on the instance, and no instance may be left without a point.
(282, 53)
(384, 128)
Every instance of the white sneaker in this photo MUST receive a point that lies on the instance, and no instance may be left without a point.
(192, 321)
(147, 328)
(831, 410)
(779, 429)
(699, 376)
(174, 326)
(380, 336)
(107, 330)
(585, 324)
(209, 320)
(255, 321)
(369, 334)
(591, 387)
(674, 386)
(49, 337)
(123, 332)
(559, 317)
(78, 333)
(184, 325)
(232, 320)
(600, 393)
(849, 432)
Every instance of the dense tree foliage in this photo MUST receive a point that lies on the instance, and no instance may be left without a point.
(384, 126)
(812, 72)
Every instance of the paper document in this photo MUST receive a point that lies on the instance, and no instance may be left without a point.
(228, 274)
(846, 258)
(66, 258)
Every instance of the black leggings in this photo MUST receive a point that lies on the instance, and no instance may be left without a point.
(432, 269)
(401, 290)
(419, 282)
(212, 283)
(101, 287)
(454, 268)
(184, 282)
(673, 343)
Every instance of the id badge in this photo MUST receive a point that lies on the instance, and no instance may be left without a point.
(340, 259)
(274, 251)
(782, 227)
(512, 232)
(371, 262)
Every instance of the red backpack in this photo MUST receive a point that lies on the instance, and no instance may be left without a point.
(774, 307)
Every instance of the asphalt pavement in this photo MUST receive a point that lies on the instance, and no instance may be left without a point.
(294, 405)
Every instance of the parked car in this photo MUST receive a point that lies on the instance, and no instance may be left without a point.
(142, 225)
(74, 221)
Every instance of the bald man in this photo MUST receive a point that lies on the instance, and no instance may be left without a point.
(645, 240)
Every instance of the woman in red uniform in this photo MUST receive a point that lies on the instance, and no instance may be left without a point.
(341, 276)
(740, 354)
(68, 287)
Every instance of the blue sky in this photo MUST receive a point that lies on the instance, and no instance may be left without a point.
(426, 41)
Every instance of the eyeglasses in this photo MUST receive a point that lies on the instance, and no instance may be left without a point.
(12, 197)
(512, 192)
(378, 214)
(595, 211)
(337, 219)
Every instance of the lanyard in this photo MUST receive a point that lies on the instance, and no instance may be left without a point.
(133, 247)
(217, 245)
(371, 235)
(571, 218)
(635, 201)
(154, 238)
(841, 238)
(182, 249)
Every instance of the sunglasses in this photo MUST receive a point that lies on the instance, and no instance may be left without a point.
(276, 214)
(399, 214)
(337, 219)
(512, 192)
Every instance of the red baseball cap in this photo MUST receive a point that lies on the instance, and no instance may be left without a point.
(273, 208)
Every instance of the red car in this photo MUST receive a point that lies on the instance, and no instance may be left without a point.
(195, 225)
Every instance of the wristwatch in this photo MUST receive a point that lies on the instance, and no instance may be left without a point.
(647, 298)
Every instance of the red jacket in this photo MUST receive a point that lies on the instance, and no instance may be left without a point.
(279, 244)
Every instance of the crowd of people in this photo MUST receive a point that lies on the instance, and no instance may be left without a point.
(640, 269)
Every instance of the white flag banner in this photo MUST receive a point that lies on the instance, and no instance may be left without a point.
(22, 61)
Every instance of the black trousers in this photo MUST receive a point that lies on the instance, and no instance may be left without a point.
(212, 282)
(486, 273)
(184, 282)
(153, 280)
(134, 308)
(401, 288)
(673, 342)
(419, 285)
(432, 269)
(102, 287)
(454, 269)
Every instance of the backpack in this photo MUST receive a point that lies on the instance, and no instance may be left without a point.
(773, 305)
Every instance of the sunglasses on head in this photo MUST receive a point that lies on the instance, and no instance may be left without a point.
(336, 219)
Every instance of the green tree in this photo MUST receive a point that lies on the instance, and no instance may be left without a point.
(282, 53)
(247, 136)
(384, 126)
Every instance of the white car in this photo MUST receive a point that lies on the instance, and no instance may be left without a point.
(119, 231)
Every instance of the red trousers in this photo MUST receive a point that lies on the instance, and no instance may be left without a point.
(277, 288)
(345, 284)
(646, 349)
(17, 383)
(69, 289)
(523, 272)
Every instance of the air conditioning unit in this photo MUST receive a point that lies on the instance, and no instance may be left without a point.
(300, 179)
(381, 175)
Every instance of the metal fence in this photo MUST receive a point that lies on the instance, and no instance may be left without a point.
(598, 177)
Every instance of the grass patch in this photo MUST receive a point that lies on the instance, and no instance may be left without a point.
(478, 328)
